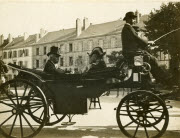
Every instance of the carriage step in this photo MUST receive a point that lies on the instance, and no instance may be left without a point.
(95, 101)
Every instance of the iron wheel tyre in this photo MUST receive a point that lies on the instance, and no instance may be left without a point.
(52, 117)
(144, 112)
(15, 120)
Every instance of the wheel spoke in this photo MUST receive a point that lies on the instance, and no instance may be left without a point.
(155, 110)
(6, 120)
(153, 126)
(52, 110)
(13, 125)
(6, 111)
(32, 99)
(24, 93)
(10, 98)
(136, 131)
(128, 124)
(20, 119)
(41, 115)
(127, 115)
(36, 109)
(153, 116)
(33, 116)
(145, 130)
(156, 107)
(35, 104)
(28, 123)
(10, 105)
(15, 86)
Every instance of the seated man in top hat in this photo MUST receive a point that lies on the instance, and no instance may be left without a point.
(50, 66)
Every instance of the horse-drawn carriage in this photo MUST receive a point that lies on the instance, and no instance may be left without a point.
(34, 99)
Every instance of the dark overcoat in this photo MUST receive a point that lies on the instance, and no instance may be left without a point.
(131, 42)
(51, 69)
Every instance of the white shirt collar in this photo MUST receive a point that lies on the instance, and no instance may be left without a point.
(56, 66)
(128, 24)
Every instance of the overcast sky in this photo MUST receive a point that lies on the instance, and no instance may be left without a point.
(19, 16)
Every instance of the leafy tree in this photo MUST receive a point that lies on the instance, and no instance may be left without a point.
(115, 56)
(161, 22)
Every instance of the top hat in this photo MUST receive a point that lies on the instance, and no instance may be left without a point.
(54, 50)
(130, 15)
(98, 51)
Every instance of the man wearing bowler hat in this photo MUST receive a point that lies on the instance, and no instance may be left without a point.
(96, 59)
(131, 43)
(50, 66)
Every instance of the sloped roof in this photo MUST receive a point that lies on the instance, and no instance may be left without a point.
(107, 28)
(92, 30)
(19, 42)
(4, 44)
(58, 35)
(102, 29)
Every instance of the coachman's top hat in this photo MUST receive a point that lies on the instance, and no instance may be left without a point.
(129, 15)
(54, 50)
(98, 51)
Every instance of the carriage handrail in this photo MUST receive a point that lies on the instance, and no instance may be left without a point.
(19, 68)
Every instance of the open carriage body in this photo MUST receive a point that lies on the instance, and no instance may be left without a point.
(35, 95)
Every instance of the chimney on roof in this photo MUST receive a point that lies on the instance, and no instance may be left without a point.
(10, 38)
(78, 27)
(86, 23)
(138, 16)
(37, 37)
(1, 39)
(26, 36)
(42, 32)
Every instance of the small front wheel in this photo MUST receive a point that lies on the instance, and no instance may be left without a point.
(142, 114)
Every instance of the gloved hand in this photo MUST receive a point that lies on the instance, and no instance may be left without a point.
(150, 43)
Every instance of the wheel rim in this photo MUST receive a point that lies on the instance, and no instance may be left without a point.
(142, 111)
(52, 117)
(15, 120)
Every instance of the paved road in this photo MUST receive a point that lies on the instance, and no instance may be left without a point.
(102, 123)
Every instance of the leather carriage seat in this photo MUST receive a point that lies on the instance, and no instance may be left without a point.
(43, 75)
(95, 74)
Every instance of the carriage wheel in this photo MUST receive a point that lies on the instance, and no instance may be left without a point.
(52, 118)
(142, 114)
(15, 120)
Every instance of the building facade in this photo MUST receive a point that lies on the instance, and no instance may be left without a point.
(75, 44)
(19, 51)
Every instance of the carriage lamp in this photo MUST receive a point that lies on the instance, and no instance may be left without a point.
(136, 77)
(138, 60)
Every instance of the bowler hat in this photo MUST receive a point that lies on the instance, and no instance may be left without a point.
(130, 15)
(54, 50)
(98, 51)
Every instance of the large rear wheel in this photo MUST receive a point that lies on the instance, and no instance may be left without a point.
(19, 97)
(52, 118)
